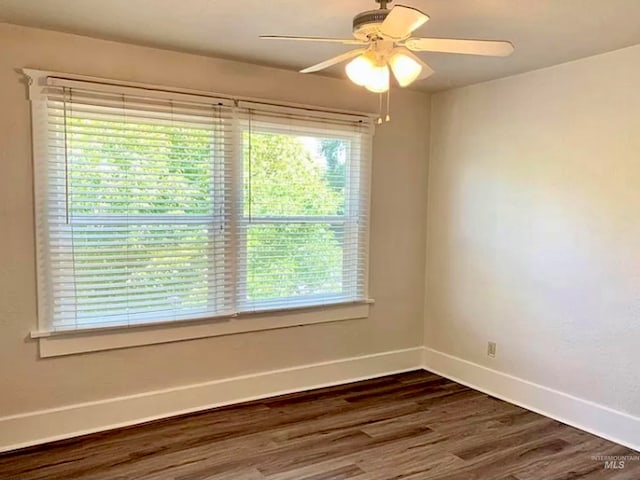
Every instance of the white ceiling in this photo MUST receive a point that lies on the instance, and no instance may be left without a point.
(544, 32)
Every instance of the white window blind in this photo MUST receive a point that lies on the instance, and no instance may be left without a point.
(160, 206)
(302, 227)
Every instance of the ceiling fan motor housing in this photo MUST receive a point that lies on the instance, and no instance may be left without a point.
(365, 24)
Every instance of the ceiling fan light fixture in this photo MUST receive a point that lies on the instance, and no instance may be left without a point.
(378, 81)
(366, 72)
(404, 68)
(385, 42)
(360, 69)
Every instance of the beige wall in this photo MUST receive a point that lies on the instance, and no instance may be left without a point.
(534, 227)
(397, 230)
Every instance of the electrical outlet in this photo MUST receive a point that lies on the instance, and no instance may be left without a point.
(491, 349)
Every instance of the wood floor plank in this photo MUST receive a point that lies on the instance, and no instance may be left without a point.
(323, 468)
(412, 426)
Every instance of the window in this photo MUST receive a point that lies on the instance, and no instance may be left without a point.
(154, 206)
(300, 222)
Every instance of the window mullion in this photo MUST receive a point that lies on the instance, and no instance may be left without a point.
(235, 250)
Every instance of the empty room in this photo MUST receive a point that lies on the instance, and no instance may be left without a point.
(320, 240)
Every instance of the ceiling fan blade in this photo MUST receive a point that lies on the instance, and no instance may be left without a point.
(491, 48)
(343, 41)
(333, 61)
(401, 21)
(427, 71)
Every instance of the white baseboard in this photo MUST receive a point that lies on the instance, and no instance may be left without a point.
(602, 421)
(33, 428)
(23, 430)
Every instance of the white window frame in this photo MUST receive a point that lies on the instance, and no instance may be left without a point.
(104, 338)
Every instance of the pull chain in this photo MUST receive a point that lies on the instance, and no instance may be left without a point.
(388, 117)
(380, 109)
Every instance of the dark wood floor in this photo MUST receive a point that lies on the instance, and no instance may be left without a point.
(414, 426)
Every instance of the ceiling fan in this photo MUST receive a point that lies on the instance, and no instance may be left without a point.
(385, 41)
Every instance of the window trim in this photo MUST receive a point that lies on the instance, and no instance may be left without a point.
(56, 343)
(69, 342)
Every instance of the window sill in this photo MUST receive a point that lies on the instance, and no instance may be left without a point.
(72, 342)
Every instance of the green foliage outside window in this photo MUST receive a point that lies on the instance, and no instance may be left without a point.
(150, 170)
